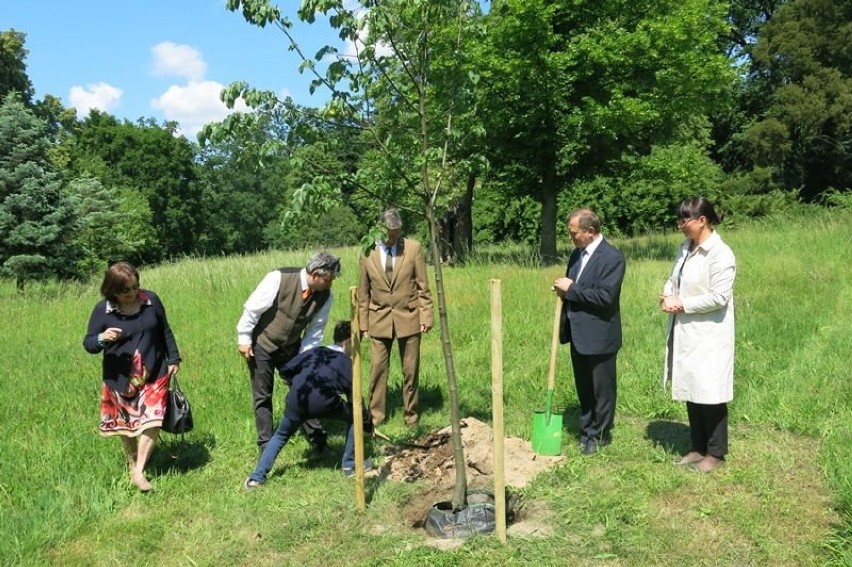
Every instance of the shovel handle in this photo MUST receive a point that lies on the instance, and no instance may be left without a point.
(554, 345)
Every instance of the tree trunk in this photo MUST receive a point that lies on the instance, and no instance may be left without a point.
(456, 227)
(460, 492)
(548, 210)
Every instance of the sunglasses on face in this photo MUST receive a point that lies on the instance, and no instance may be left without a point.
(129, 289)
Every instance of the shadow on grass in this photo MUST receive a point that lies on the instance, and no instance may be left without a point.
(431, 398)
(180, 454)
(571, 420)
(670, 435)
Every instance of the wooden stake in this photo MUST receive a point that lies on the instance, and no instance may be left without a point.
(497, 408)
(357, 413)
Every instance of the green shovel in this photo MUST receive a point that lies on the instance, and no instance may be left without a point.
(547, 426)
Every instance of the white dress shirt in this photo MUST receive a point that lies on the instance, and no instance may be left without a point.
(587, 253)
(383, 251)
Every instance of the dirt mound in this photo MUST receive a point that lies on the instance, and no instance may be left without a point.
(429, 458)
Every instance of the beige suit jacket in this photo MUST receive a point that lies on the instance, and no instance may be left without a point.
(396, 308)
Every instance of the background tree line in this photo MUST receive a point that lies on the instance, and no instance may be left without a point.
(624, 106)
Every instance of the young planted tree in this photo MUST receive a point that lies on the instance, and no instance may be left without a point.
(403, 87)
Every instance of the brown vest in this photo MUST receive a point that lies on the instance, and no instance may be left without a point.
(282, 324)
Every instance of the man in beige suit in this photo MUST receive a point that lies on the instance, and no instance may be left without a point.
(394, 303)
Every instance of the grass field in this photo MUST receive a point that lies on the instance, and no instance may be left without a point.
(784, 497)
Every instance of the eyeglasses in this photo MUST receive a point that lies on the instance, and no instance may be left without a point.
(683, 222)
(129, 289)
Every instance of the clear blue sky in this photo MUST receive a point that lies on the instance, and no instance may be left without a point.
(161, 59)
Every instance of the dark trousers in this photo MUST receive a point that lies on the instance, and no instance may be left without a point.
(708, 427)
(594, 377)
(262, 368)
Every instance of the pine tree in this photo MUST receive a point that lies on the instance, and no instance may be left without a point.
(36, 218)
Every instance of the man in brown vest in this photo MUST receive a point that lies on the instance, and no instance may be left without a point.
(285, 315)
(394, 304)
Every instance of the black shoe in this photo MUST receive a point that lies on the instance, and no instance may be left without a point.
(590, 448)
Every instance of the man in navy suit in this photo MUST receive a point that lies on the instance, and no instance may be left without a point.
(591, 322)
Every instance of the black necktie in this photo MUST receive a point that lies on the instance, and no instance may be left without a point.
(583, 256)
(388, 264)
(575, 269)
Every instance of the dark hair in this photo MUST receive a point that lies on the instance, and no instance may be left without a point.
(342, 331)
(117, 277)
(586, 219)
(694, 207)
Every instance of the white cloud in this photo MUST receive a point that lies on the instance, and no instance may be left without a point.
(175, 60)
(194, 105)
(100, 96)
(352, 48)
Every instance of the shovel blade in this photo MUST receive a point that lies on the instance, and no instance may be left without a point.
(547, 433)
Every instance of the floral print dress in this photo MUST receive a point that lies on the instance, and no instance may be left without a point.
(135, 368)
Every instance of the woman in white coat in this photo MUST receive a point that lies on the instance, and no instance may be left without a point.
(699, 298)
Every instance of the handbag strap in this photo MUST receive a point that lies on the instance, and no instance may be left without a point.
(173, 381)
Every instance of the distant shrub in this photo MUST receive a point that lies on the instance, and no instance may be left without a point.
(505, 214)
(643, 198)
(338, 227)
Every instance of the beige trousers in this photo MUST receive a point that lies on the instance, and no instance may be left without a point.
(409, 353)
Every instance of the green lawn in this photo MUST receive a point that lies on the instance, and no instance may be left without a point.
(784, 497)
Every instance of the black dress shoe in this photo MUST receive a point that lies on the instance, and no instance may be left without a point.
(590, 448)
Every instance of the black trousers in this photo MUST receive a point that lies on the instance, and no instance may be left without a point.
(594, 377)
(262, 368)
(708, 427)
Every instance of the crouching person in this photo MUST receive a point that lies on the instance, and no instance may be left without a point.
(320, 387)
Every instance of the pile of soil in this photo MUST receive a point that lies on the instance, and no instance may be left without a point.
(429, 459)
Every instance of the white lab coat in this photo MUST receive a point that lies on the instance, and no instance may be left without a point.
(702, 338)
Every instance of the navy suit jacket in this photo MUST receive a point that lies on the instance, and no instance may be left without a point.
(591, 310)
(320, 381)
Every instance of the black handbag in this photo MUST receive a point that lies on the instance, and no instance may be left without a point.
(178, 418)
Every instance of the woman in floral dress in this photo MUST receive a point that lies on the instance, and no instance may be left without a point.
(140, 354)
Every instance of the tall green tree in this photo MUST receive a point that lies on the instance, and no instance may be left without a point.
(13, 68)
(572, 86)
(747, 18)
(111, 224)
(249, 184)
(150, 159)
(804, 134)
(239, 198)
(36, 218)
